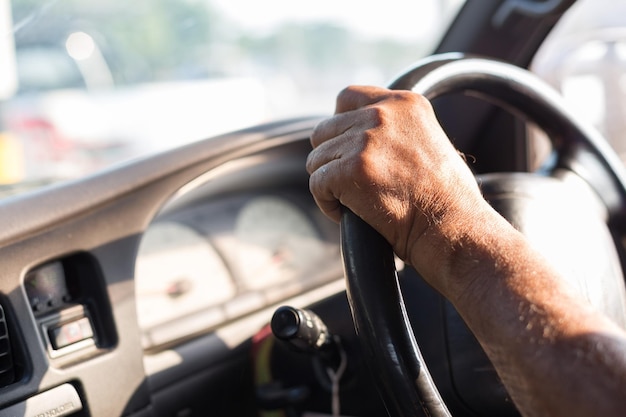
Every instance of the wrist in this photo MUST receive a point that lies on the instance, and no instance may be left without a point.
(466, 245)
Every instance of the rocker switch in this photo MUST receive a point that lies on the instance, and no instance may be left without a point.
(70, 333)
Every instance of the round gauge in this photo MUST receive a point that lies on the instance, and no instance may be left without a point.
(277, 243)
(178, 272)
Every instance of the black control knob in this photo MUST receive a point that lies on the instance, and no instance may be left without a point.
(301, 328)
(306, 332)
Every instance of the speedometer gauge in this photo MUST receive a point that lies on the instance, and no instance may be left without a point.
(178, 272)
(277, 243)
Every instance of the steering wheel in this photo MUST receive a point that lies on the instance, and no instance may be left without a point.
(374, 294)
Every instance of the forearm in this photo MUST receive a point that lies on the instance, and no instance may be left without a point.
(555, 353)
(385, 157)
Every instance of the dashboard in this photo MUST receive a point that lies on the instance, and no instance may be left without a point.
(224, 257)
(136, 291)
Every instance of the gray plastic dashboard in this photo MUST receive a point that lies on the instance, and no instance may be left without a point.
(92, 228)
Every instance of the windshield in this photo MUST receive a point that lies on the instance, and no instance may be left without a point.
(104, 81)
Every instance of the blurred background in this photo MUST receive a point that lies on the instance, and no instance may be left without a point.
(87, 84)
(103, 81)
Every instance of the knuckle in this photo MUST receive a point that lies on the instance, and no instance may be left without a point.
(314, 184)
(419, 101)
(310, 162)
(413, 99)
(377, 114)
(368, 166)
(318, 134)
(347, 92)
(363, 169)
(345, 98)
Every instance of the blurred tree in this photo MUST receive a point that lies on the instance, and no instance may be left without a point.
(326, 51)
(162, 39)
(143, 40)
(157, 40)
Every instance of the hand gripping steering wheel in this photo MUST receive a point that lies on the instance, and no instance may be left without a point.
(374, 294)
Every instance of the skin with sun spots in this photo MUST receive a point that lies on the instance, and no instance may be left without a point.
(384, 156)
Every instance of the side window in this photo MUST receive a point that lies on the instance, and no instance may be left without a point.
(585, 59)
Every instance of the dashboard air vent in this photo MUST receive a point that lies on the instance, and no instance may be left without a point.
(7, 369)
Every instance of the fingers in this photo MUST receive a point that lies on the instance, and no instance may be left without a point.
(349, 101)
(322, 155)
(331, 128)
(363, 121)
(356, 110)
(323, 164)
(334, 136)
(326, 182)
(321, 186)
(356, 97)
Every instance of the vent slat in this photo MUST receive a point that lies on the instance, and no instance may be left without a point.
(7, 369)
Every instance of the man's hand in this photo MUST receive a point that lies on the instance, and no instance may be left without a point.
(385, 156)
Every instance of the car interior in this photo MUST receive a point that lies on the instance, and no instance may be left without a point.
(135, 291)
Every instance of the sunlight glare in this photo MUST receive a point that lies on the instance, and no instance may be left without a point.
(399, 19)
(80, 46)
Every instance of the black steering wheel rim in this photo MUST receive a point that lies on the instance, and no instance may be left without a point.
(373, 289)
